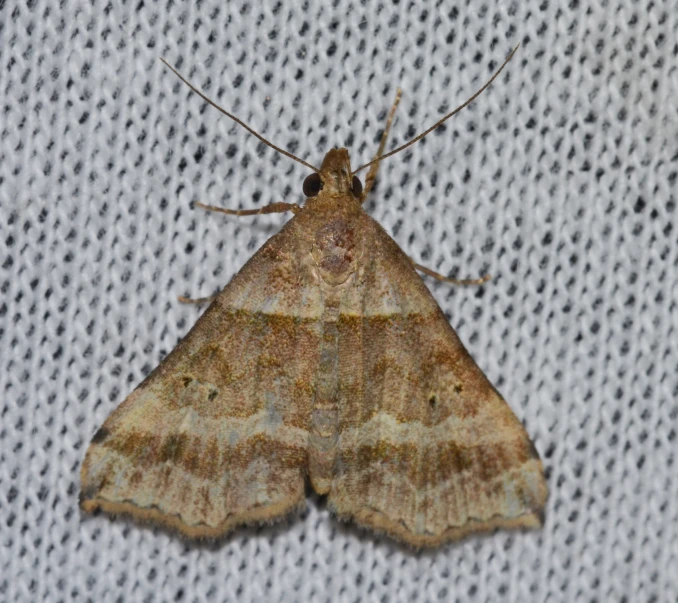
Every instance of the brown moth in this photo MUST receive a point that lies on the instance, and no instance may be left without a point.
(324, 359)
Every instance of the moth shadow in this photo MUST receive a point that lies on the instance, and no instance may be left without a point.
(269, 531)
(368, 537)
(365, 537)
(376, 539)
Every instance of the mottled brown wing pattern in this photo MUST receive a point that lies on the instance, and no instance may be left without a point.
(217, 435)
(428, 450)
(325, 358)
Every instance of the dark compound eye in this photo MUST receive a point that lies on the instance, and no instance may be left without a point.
(356, 186)
(312, 185)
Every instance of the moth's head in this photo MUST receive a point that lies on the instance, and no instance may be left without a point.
(335, 177)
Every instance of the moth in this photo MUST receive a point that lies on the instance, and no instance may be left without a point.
(324, 360)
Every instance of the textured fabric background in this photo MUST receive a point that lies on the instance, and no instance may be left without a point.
(559, 181)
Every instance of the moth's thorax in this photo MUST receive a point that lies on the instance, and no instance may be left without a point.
(335, 173)
(333, 218)
(336, 250)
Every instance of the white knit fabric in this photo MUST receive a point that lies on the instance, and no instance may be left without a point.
(559, 181)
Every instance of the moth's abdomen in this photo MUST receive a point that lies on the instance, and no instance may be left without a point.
(322, 449)
(324, 432)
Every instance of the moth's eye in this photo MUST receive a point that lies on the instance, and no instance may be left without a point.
(357, 186)
(312, 185)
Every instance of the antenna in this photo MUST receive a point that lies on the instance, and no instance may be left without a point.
(238, 121)
(434, 126)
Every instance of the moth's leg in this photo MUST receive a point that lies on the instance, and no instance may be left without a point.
(372, 174)
(273, 208)
(447, 279)
(200, 300)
